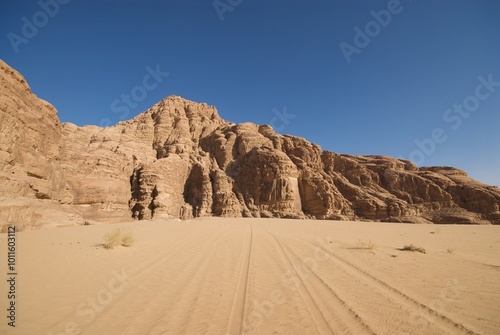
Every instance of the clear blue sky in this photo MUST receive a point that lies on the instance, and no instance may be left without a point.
(265, 55)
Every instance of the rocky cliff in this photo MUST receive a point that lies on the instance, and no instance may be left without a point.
(180, 159)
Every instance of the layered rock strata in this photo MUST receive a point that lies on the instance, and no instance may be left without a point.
(181, 159)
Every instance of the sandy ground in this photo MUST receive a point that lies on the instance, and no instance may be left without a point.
(256, 276)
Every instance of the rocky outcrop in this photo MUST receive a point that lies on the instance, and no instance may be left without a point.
(33, 186)
(180, 159)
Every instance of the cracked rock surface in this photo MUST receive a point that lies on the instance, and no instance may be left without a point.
(181, 159)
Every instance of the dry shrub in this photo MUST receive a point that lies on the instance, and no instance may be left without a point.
(118, 237)
(368, 245)
(413, 248)
(127, 239)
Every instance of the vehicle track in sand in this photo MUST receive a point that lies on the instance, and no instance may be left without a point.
(440, 320)
(182, 265)
(175, 310)
(334, 315)
(140, 274)
(321, 324)
(348, 276)
(252, 277)
(236, 316)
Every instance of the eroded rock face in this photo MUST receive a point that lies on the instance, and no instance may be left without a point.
(31, 173)
(180, 159)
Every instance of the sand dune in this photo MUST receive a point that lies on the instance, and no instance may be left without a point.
(258, 276)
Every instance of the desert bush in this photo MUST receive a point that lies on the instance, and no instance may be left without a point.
(369, 245)
(412, 247)
(118, 237)
(112, 239)
(127, 239)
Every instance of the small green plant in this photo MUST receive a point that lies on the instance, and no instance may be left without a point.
(118, 237)
(413, 248)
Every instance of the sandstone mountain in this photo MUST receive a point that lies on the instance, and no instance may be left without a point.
(181, 159)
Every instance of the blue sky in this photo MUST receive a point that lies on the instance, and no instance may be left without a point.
(255, 60)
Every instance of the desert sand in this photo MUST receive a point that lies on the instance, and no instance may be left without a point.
(257, 276)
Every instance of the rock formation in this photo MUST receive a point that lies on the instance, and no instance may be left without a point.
(180, 159)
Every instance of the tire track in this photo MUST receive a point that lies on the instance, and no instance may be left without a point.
(158, 267)
(236, 316)
(161, 259)
(143, 271)
(341, 316)
(195, 274)
(321, 324)
(445, 323)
